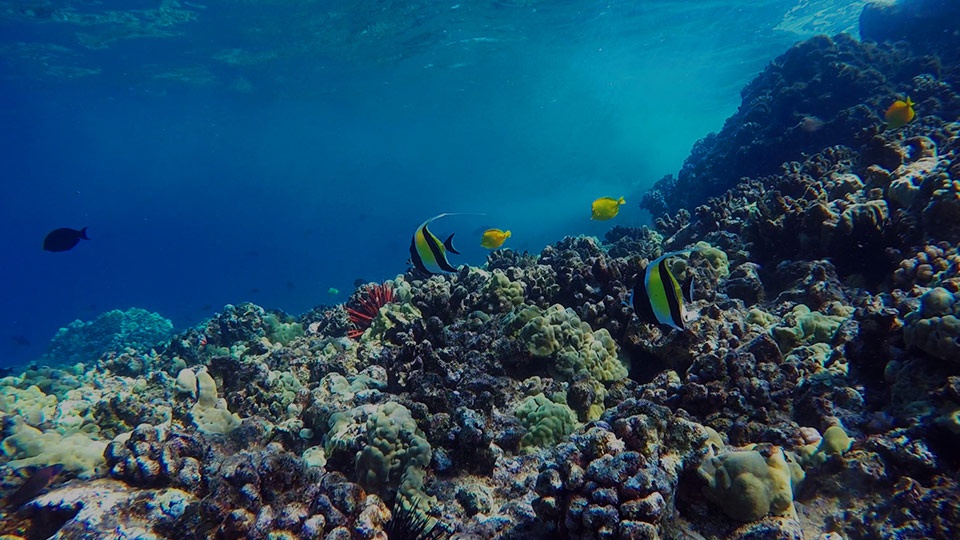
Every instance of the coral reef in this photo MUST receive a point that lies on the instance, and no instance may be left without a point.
(814, 392)
(823, 91)
(111, 332)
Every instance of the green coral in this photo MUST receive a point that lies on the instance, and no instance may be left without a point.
(396, 454)
(210, 413)
(575, 350)
(113, 331)
(284, 386)
(559, 333)
(28, 446)
(31, 404)
(934, 327)
(281, 331)
(805, 327)
(750, 484)
(761, 318)
(834, 442)
(717, 258)
(547, 422)
(503, 294)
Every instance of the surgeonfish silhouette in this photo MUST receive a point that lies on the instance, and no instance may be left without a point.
(64, 239)
(36, 482)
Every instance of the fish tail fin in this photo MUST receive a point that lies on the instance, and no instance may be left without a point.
(83, 234)
(622, 201)
(687, 288)
(507, 234)
(448, 243)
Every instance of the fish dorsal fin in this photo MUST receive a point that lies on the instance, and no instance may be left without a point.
(445, 214)
(448, 244)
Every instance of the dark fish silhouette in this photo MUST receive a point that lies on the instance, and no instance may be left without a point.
(359, 281)
(64, 239)
(38, 480)
(20, 341)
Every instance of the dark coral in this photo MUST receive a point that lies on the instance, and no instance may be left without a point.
(610, 480)
(821, 92)
(326, 321)
(153, 457)
(913, 511)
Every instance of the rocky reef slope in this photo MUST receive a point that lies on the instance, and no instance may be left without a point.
(815, 392)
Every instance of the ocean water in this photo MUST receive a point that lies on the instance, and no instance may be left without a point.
(269, 151)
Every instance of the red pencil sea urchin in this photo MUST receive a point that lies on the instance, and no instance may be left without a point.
(365, 306)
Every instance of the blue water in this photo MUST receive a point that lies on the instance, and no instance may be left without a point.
(268, 151)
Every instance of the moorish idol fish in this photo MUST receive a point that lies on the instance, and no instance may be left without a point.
(656, 297)
(427, 253)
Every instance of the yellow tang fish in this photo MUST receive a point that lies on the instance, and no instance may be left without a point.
(606, 208)
(899, 114)
(494, 238)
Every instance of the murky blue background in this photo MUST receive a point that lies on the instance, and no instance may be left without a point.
(268, 151)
